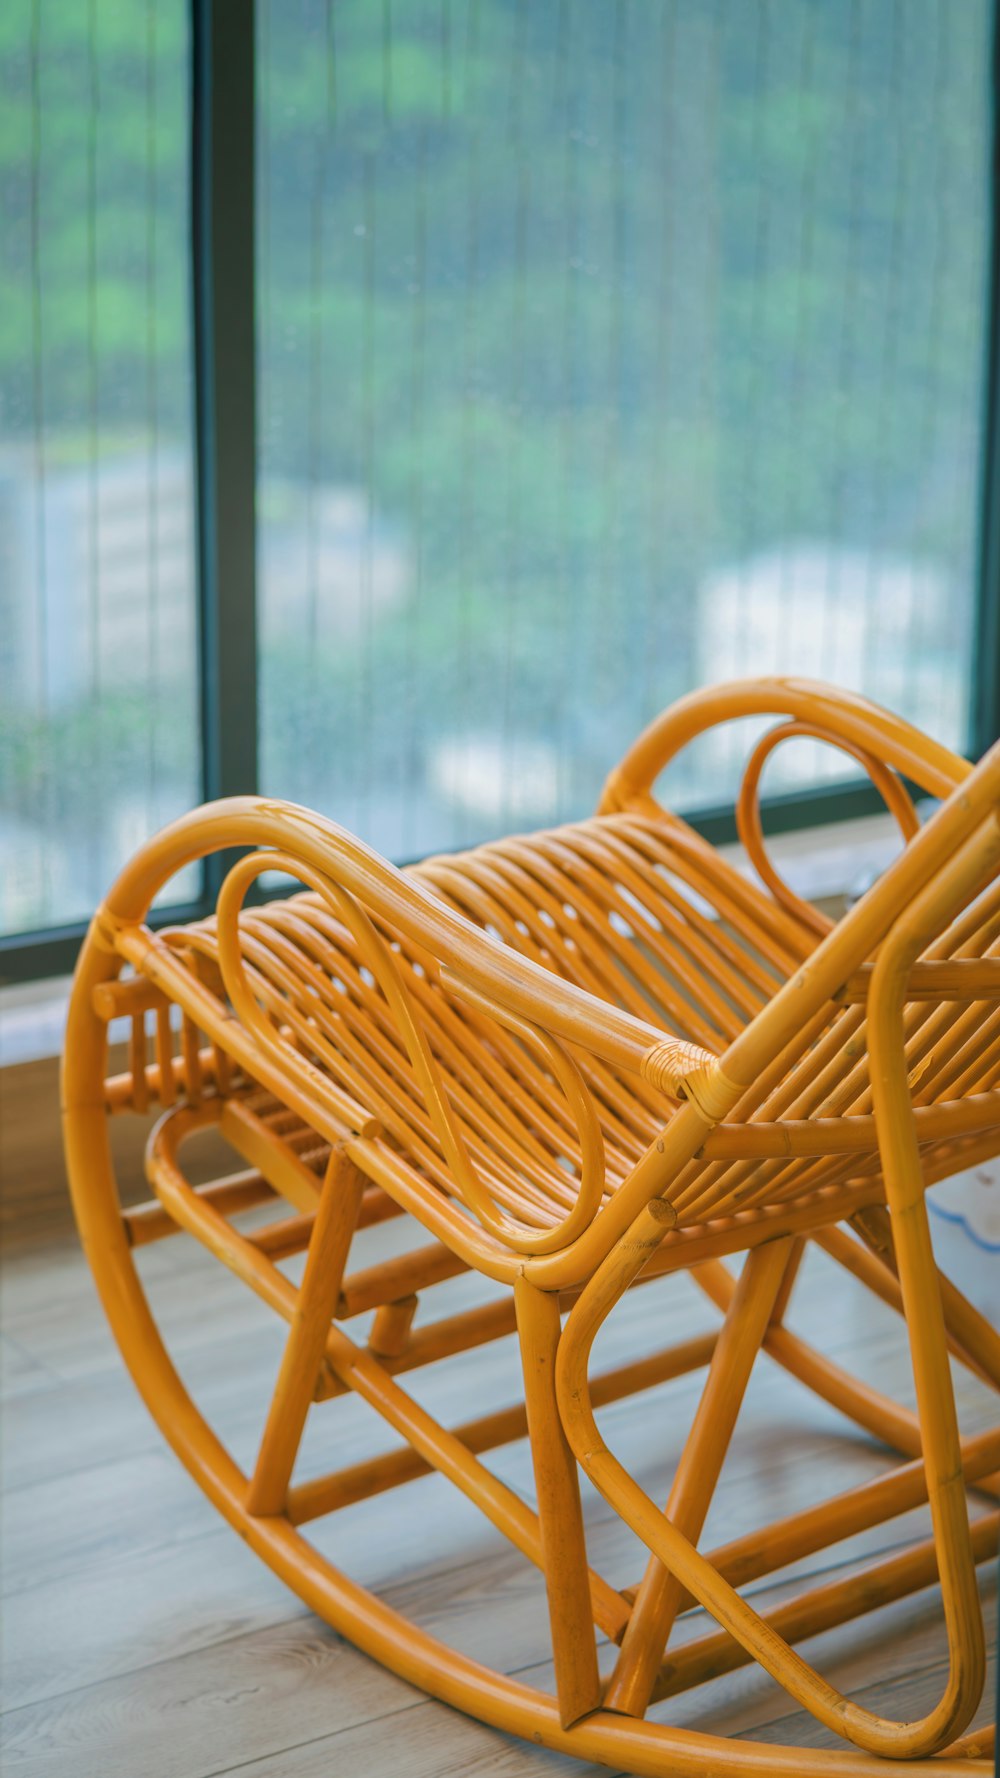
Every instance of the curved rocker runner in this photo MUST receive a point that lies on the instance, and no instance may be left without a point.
(580, 1060)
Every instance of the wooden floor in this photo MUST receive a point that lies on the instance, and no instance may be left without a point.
(141, 1637)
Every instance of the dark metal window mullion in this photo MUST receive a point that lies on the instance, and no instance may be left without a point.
(223, 278)
(223, 269)
(985, 715)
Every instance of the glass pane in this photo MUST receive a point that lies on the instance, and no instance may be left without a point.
(606, 351)
(98, 714)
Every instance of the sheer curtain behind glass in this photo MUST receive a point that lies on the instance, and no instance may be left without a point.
(98, 712)
(606, 350)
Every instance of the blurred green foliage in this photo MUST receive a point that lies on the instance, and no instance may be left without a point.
(594, 299)
(589, 298)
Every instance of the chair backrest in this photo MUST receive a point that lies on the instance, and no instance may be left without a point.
(967, 817)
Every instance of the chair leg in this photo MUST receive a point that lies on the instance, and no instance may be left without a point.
(659, 1595)
(946, 1489)
(564, 1555)
(787, 1285)
(336, 1218)
(970, 866)
(885, 1419)
(977, 1342)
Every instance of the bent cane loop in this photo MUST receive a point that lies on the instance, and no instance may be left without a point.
(336, 1219)
(959, 880)
(696, 1572)
(698, 1470)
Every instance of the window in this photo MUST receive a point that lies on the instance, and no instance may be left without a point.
(601, 351)
(604, 351)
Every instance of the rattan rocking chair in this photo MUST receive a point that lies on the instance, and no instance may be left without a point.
(578, 1060)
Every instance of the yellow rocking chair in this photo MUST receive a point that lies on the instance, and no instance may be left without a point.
(578, 1060)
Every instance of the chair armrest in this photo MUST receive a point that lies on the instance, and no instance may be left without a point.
(843, 715)
(472, 958)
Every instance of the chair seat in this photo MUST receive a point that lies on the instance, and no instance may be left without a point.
(639, 912)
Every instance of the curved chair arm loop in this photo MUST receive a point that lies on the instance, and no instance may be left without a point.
(850, 716)
(377, 957)
(748, 822)
(567, 1012)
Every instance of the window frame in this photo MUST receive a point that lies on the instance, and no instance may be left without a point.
(223, 304)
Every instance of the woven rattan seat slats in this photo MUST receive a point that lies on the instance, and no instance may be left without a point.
(516, 1128)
